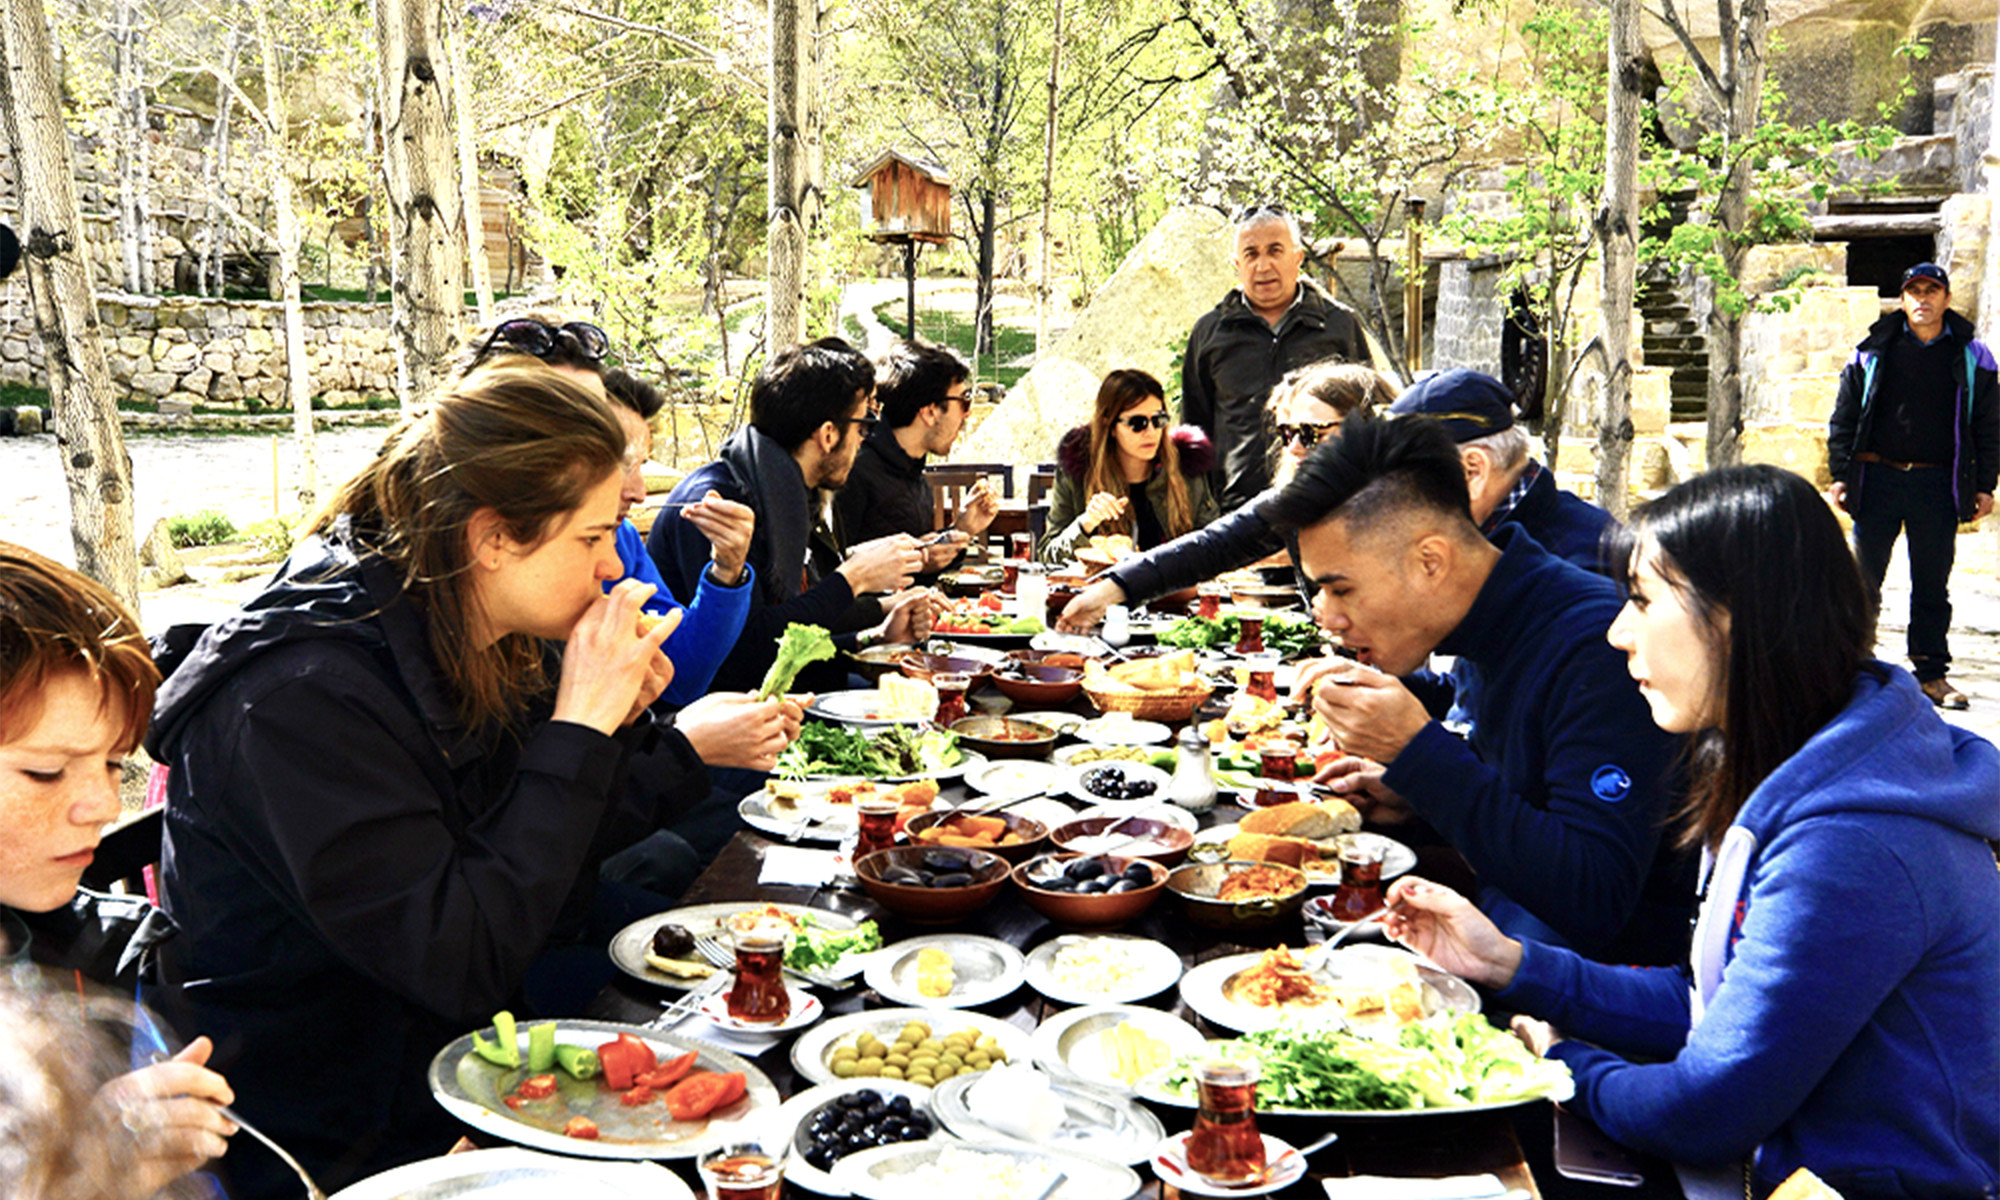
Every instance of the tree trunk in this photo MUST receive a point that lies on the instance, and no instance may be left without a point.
(1743, 75)
(785, 317)
(1989, 282)
(95, 465)
(425, 212)
(298, 371)
(215, 180)
(126, 72)
(468, 170)
(1618, 251)
(989, 220)
(1048, 185)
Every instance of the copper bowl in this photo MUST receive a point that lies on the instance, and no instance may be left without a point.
(1004, 737)
(1195, 885)
(1038, 687)
(1102, 910)
(1033, 834)
(919, 665)
(876, 661)
(927, 905)
(1166, 843)
(1048, 658)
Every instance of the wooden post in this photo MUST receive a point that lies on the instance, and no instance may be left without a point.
(1413, 287)
(1048, 185)
(1618, 248)
(910, 278)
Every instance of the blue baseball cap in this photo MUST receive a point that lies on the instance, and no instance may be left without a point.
(1925, 270)
(1469, 404)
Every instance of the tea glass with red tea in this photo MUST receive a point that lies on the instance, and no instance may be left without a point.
(759, 992)
(1225, 1147)
(1208, 600)
(876, 814)
(742, 1171)
(1250, 632)
(1360, 890)
(951, 689)
(1021, 545)
(1278, 761)
(1262, 681)
(1010, 570)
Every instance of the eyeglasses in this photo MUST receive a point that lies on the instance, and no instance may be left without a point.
(541, 339)
(867, 421)
(1307, 434)
(1141, 424)
(1245, 212)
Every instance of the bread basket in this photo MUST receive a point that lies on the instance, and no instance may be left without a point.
(1149, 705)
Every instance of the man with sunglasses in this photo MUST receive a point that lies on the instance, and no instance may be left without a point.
(922, 390)
(1271, 323)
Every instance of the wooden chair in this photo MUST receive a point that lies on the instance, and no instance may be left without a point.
(1004, 470)
(948, 488)
(1041, 481)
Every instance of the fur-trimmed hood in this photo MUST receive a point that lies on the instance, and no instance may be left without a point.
(1197, 453)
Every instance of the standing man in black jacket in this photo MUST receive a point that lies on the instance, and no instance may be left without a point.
(921, 389)
(1269, 324)
(1914, 447)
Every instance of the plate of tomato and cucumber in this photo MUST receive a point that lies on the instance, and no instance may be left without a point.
(599, 1089)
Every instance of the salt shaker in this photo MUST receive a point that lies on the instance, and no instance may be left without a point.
(1117, 629)
(1193, 784)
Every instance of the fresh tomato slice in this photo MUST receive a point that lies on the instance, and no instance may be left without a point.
(581, 1127)
(669, 1073)
(990, 601)
(536, 1087)
(512, 1101)
(624, 1060)
(637, 1096)
(704, 1092)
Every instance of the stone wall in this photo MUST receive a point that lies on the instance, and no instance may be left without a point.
(1470, 311)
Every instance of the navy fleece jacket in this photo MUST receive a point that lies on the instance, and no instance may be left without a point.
(1855, 1029)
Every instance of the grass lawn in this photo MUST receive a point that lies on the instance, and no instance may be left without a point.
(954, 330)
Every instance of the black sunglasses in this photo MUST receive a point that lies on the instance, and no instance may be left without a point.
(540, 339)
(1307, 433)
(1244, 212)
(1141, 424)
(867, 421)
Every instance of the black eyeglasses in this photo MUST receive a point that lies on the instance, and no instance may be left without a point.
(540, 339)
(1306, 433)
(1141, 424)
(1244, 213)
(867, 421)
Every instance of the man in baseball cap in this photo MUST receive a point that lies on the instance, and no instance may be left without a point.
(1914, 447)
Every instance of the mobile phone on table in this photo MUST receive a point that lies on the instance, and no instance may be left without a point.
(1583, 1152)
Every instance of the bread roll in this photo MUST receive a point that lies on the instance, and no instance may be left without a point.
(1298, 820)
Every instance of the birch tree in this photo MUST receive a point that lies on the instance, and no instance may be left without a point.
(298, 372)
(468, 170)
(1617, 228)
(791, 200)
(95, 466)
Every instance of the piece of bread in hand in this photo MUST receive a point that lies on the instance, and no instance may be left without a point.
(1804, 1185)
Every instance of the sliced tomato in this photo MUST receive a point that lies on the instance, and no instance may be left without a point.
(512, 1101)
(669, 1073)
(703, 1092)
(536, 1087)
(624, 1060)
(637, 1096)
(581, 1127)
(990, 601)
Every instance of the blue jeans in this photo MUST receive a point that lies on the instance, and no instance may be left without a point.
(1918, 503)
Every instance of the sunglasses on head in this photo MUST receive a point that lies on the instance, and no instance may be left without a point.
(1261, 208)
(1307, 434)
(540, 339)
(1141, 424)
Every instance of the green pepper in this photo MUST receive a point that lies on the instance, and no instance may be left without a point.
(579, 1061)
(542, 1047)
(504, 1050)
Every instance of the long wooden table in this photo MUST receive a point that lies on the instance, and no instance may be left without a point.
(1429, 1145)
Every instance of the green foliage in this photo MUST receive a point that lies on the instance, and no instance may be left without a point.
(271, 537)
(206, 527)
(948, 328)
(20, 395)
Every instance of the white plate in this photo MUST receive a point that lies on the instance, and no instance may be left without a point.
(977, 653)
(1315, 916)
(1050, 811)
(967, 759)
(1157, 809)
(983, 968)
(813, 1047)
(1072, 782)
(1154, 967)
(1012, 777)
(628, 948)
(472, 1089)
(1064, 756)
(1099, 1122)
(878, 1174)
(511, 1173)
(1203, 989)
(1169, 1160)
(786, 1129)
(835, 827)
(1397, 859)
(1068, 1044)
(1071, 643)
(806, 1009)
(1061, 722)
(859, 706)
(1120, 730)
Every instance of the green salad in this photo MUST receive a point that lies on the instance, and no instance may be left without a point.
(815, 947)
(1291, 637)
(885, 753)
(1430, 1064)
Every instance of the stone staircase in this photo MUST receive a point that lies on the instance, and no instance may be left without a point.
(1671, 335)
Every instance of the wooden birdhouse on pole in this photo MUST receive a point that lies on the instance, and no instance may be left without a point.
(905, 201)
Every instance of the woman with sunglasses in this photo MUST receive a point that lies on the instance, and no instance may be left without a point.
(1839, 1012)
(1308, 406)
(1125, 474)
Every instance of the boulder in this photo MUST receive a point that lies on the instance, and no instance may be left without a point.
(153, 383)
(27, 420)
(159, 555)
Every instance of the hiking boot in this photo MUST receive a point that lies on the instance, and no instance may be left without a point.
(1943, 694)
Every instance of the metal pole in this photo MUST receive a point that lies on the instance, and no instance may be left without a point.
(1413, 287)
(910, 277)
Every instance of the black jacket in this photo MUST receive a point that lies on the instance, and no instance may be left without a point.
(1234, 359)
(1976, 432)
(885, 493)
(358, 878)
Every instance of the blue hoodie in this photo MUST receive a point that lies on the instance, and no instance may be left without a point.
(1850, 1006)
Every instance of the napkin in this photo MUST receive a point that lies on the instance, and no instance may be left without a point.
(749, 1045)
(798, 866)
(1394, 1187)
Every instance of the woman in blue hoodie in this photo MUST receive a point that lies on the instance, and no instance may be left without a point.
(1841, 1011)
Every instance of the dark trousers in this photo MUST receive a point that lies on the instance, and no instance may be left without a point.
(1919, 503)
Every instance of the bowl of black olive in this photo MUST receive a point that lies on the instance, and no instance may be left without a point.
(859, 1120)
(932, 885)
(1090, 891)
(1115, 782)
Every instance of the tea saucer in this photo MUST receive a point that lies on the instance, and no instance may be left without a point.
(1170, 1164)
(806, 1008)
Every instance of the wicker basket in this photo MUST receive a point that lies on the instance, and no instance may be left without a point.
(1150, 706)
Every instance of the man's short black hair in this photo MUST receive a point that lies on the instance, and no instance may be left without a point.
(1377, 467)
(915, 374)
(632, 392)
(804, 387)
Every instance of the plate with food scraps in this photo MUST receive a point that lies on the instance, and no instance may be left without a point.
(817, 1052)
(1077, 753)
(1061, 722)
(949, 970)
(1114, 1045)
(1022, 777)
(600, 1122)
(1169, 1159)
(805, 1008)
(633, 945)
(1397, 859)
(1102, 968)
(511, 1173)
(1363, 988)
(1161, 810)
(1121, 729)
(817, 1142)
(1101, 1122)
(958, 1171)
(782, 817)
(861, 706)
(1116, 783)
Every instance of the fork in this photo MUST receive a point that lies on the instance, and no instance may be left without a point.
(313, 1190)
(721, 956)
(685, 1007)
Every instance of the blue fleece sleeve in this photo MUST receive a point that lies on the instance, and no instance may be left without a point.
(1834, 923)
(1579, 859)
(679, 550)
(1233, 541)
(706, 635)
(1640, 1011)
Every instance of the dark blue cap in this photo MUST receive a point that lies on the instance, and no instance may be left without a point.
(1469, 404)
(1926, 271)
